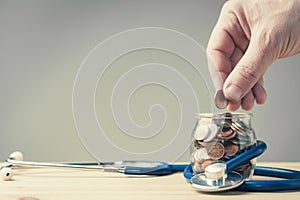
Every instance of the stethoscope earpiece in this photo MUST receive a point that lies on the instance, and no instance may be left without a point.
(6, 173)
(17, 155)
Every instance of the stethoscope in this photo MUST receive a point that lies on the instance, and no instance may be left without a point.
(217, 177)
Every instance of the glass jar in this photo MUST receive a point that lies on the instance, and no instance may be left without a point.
(219, 138)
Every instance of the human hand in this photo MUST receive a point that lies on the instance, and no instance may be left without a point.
(248, 37)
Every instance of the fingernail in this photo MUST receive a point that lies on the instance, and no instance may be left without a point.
(233, 93)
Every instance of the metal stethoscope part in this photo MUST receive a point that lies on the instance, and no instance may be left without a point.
(217, 177)
(127, 167)
(234, 181)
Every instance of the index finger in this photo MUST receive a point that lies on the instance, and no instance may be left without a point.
(219, 49)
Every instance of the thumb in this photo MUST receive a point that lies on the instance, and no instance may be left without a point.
(248, 71)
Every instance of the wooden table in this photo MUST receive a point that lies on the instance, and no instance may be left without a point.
(54, 183)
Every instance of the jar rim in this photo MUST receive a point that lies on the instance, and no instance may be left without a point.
(222, 116)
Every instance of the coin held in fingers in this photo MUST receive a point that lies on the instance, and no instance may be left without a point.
(220, 100)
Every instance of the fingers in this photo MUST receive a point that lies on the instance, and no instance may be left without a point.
(236, 56)
(238, 64)
(259, 92)
(246, 74)
(236, 24)
(234, 105)
(219, 57)
(248, 101)
(218, 74)
(220, 48)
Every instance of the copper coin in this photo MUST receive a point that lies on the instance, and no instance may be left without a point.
(216, 151)
(235, 141)
(237, 127)
(205, 144)
(231, 149)
(230, 136)
(205, 164)
(227, 137)
(220, 100)
(225, 133)
(238, 142)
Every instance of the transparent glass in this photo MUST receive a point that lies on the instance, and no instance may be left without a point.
(220, 137)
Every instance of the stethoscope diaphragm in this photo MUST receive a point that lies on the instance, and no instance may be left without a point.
(201, 183)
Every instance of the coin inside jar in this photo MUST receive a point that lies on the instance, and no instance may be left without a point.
(220, 100)
(213, 131)
(221, 137)
(236, 126)
(205, 164)
(225, 134)
(201, 132)
(231, 149)
(215, 151)
(201, 155)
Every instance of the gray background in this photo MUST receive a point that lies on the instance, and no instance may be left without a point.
(42, 44)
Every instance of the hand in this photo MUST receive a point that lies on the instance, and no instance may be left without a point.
(248, 37)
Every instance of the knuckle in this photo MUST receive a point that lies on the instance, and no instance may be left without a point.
(230, 6)
(226, 6)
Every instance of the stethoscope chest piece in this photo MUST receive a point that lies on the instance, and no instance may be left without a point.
(201, 183)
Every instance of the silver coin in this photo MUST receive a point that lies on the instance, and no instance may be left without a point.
(235, 126)
(220, 101)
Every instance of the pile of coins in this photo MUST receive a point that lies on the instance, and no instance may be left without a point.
(221, 137)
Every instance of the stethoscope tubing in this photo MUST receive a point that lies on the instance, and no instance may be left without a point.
(160, 169)
(293, 182)
(237, 161)
(246, 156)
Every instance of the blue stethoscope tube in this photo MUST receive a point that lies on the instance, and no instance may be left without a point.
(293, 182)
(162, 168)
(272, 185)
